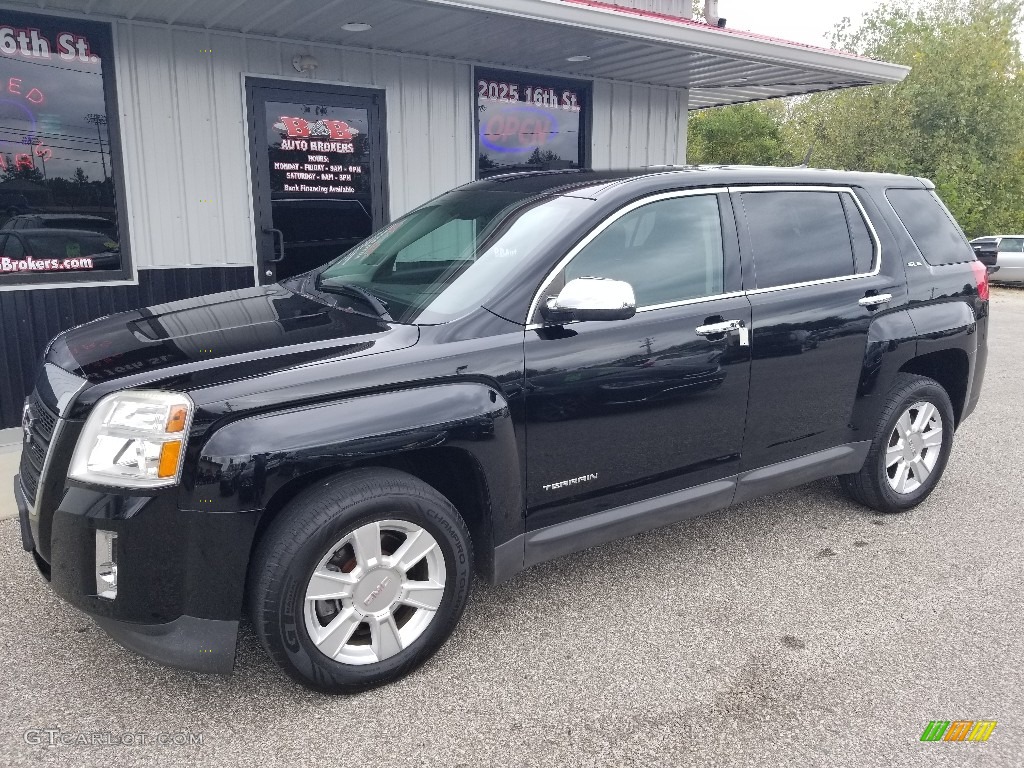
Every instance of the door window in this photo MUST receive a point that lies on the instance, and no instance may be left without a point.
(1011, 245)
(669, 251)
(798, 237)
(318, 172)
(860, 237)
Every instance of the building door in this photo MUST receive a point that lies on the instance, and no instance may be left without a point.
(318, 172)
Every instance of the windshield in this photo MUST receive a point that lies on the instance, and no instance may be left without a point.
(446, 257)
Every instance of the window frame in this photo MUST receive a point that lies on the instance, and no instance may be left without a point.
(585, 87)
(730, 276)
(101, 38)
(746, 242)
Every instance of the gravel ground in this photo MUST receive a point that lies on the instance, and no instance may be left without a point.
(796, 630)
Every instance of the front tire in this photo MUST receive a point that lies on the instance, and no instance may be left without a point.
(360, 580)
(910, 448)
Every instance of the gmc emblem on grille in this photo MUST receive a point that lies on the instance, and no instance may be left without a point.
(27, 420)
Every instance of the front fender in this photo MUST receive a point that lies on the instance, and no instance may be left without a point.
(246, 462)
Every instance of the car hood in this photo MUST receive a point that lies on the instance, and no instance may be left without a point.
(224, 336)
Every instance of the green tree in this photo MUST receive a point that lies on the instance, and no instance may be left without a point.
(956, 119)
(745, 134)
(541, 157)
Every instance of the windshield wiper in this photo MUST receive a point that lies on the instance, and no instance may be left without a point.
(379, 306)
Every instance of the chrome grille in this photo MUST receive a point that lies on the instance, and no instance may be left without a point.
(37, 445)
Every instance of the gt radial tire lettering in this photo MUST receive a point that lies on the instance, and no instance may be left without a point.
(291, 635)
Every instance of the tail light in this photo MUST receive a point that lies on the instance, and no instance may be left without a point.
(981, 275)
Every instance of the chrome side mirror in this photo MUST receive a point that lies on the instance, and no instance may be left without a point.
(591, 298)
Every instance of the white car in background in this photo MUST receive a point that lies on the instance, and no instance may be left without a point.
(1003, 255)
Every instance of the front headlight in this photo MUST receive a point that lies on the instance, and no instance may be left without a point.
(134, 439)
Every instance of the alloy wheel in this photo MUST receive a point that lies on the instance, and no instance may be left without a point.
(374, 592)
(914, 447)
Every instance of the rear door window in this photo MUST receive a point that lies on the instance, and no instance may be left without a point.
(937, 236)
(860, 237)
(1011, 245)
(802, 236)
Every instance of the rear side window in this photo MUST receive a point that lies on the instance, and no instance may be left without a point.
(932, 228)
(800, 237)
(1011, 245)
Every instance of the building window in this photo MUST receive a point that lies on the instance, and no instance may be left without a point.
(530, 123)
(59, 158)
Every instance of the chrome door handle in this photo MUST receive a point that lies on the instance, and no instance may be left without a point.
(720, 329)
(716, 329)
(875, 301)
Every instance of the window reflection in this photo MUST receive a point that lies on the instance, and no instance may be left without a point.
(526, 122)
(56, 169)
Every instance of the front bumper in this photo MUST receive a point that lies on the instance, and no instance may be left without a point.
(27, 535)
(180, 574)
(201, 645)
(27, 540)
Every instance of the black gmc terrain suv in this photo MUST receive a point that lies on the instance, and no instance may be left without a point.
(521, 368)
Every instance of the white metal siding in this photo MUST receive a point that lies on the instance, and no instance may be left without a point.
(186, 156)
(636, 125)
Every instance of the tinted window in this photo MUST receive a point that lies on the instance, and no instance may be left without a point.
(797, 237)
(932, 228)
(863, 245)
(1011, 244)
(668, 251)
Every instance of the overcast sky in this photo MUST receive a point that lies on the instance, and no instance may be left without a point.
(804, 21)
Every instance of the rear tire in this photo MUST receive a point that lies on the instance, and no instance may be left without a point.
(359, 580)
(909, 450)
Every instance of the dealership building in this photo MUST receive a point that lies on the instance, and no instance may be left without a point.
(151, 151)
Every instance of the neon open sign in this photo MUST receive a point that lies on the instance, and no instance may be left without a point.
(515, 128)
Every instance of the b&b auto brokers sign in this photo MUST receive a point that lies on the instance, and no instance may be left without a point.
(317, 157)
